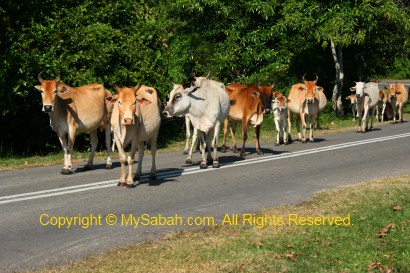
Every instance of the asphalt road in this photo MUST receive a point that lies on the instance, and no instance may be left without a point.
(30, 199)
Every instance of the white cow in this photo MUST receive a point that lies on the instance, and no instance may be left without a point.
(280, 115)
(207, 105)
(367, 97)
(135, 119)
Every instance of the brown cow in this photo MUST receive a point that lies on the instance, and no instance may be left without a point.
(306, 99)
(353, 104)
(73, 110)
(135, 119)
(247, 105)
(398, 98)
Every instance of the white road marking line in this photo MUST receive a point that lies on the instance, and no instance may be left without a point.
(188, 171)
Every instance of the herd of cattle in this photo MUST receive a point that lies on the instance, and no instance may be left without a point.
(133, 115)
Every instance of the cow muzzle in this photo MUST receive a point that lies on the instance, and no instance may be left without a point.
(48, 108)
(310, 101)
(392, 96)
(166, 114)
(127, 121)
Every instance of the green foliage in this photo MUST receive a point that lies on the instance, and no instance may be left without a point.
(155, 42)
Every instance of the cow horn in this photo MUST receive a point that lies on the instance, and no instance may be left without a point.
(317, 77)
(39, 77)
(115, 86)
(304, 77)
(273, 85)
(58, 78)
(209, 73)
(138, 86)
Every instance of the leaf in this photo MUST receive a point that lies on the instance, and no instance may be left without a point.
(385, 230)
(397, 208)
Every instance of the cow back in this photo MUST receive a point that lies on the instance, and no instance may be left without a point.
(372, 95)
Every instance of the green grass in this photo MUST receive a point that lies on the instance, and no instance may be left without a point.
(357, 247)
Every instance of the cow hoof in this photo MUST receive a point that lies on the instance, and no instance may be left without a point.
(122, 184)
(216, 165)
(185, 152)
(311, 140)
(108, 166)
(66, 172)
(235, 150)
(188, 161)
(276, 144)
(132, 185)
(223, 149)
(303, 141)
(203, 166)
(285, 143)
(259, 152)
(242, 154)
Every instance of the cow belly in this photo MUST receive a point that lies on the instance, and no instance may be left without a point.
(256, 119)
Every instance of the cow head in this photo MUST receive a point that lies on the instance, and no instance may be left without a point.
(393, 90)
(351, 98)
(310, 89)
(266, 95)
(359, 89)
(279, 102)
(127, 99)
(178, 103)
(49, 90)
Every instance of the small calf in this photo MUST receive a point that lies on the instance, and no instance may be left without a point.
(280, 114)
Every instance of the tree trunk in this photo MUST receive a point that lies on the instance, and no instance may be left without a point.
(338, 84)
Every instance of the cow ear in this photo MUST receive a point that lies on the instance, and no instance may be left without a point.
(142, 101)
(38, 87)
(353, 89)
(277, 94)
(63, 88)
(288, 100)
(301, 88)
(111, 99)
(319, 88)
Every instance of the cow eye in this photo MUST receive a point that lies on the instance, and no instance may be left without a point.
(55, 92)
(178, 96)
(119, 102)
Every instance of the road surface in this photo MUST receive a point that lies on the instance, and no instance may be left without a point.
(31, 200)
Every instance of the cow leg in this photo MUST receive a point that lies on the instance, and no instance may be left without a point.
(372, 117)
(94, 142)
(285, 135)
(141, 149)
(244, 135)
(225, 131)
(202, 146)
(153, 173)
(383, 109)
(365, 120)
(289, 124)
(258, 145)
(68, 144)
(63, 141)
(277, 126)
(209, 159)
(121, 156)
(108, 165)
(401, 106)
(298, 122)
(194, 139)
(215, 163)
(187, 134)
(311, 128)
(233, 129)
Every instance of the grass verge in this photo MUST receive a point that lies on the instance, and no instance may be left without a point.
(377, 239)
